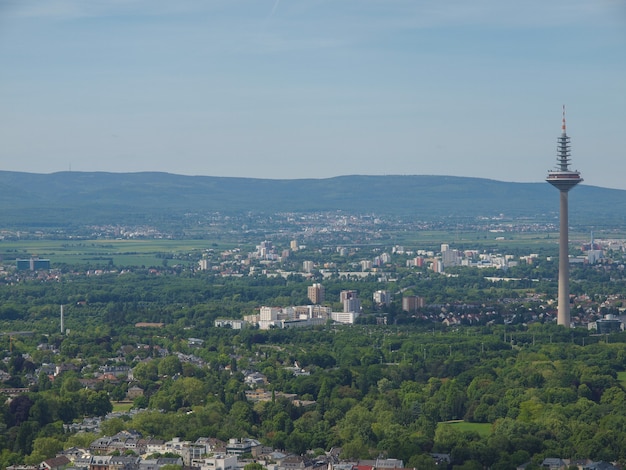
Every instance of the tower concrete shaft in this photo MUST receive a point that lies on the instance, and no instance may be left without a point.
(563, 314)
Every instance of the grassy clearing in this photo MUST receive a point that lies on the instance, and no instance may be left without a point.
(122, 406)
(621, 376)
(107, 252)
(482, 429)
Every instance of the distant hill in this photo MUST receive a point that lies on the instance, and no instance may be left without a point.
(78, 198)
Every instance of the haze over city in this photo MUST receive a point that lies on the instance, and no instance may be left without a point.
(313, 89)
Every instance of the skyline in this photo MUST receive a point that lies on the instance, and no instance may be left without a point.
(315, 89)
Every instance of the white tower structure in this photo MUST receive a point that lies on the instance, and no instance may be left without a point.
(563, 179)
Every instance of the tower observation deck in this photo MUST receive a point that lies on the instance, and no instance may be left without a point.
(562, 177)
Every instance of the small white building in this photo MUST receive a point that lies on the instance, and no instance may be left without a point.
(217, 462)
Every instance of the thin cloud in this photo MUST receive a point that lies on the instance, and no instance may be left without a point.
(274, 8)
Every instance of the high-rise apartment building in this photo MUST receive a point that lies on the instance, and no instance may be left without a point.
(411, 303)
(350, 301)
(382, 297)
(203, 264)
(316, 293)
(32, 264)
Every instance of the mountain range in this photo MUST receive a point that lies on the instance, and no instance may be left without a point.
(78, 198)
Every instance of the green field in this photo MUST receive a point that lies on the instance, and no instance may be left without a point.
(482, 429)
(122, 406)
(99, 253)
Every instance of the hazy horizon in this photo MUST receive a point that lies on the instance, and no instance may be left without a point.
(313, 89)
(299, 178)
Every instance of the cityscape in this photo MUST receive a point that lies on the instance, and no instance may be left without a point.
(259, 344)
(312, 235)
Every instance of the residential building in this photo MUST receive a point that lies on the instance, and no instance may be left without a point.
(156, 464)
(350, 301)
(32, 264)
(100, 462)
(233, 323)
(216, 462)
(241, 446)
(316, 293)
(411, 303)
(55, 463)
(204, 264)
(344, 317)
(366, 265)
(134, 392)
(382, 297)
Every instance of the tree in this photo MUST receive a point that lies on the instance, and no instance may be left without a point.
(95, 403)
(170, 366)
(81, 439)
(19, 409)
(146, 372)
(47, 446)
(110, 427)
(253, 466)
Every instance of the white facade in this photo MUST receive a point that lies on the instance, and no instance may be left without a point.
(593, 256)
(344, 317)
(203, 264)
(382, 297)
(217, 462)
(233, 323)
(308, 266)
(268, 314)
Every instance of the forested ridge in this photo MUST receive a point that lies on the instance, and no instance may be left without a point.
(537, 390)
(69, 199)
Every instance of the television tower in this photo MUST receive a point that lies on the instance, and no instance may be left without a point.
(563, 179)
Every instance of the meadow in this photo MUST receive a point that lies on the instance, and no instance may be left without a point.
(482, 429)
(100, 253)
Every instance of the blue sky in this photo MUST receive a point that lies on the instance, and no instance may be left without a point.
(313, 88)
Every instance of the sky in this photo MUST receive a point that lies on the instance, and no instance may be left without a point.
(291, 89)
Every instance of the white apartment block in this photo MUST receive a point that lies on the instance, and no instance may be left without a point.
(382, 297)
(344, 317)
(292, 317)
(203, 264)
(217, 462)
(233, 323)
(269, 313)
(308, 266)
